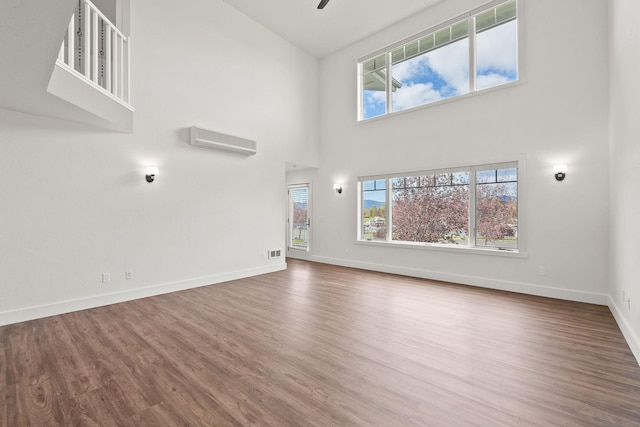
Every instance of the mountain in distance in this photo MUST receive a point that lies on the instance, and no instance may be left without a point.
(368, 204)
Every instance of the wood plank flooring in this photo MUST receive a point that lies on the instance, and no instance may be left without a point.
(319, 345)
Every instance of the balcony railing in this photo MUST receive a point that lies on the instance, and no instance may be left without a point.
(95, 50)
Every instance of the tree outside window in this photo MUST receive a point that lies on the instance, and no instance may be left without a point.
(475, 206)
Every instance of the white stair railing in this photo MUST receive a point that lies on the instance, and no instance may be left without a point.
(95, 50)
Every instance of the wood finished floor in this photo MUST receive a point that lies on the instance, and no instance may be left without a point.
(319, 345)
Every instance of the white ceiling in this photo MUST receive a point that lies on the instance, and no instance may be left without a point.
(339, 24)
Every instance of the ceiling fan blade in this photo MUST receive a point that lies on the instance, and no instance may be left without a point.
(322, 4)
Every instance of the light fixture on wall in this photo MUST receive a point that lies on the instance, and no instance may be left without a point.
(338, 188)
(152, 171)
(560, 171)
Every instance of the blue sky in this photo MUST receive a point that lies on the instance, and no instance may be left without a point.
(378, 194)
(444, 72)
(502, 175)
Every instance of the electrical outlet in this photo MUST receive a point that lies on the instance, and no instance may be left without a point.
(542, 271)
(106, 277)
(128, 275)
(629, 303)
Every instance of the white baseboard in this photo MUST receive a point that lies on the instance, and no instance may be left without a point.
(523, 288)
(30, 313)
(627, 330)
(298, 254)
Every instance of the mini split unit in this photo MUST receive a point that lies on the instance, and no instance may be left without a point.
(219, 141)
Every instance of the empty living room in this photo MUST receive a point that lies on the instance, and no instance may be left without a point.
(319, 213)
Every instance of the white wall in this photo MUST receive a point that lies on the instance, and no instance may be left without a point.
(108, 8)
(75, 203)
(558, 113)
(625, 168)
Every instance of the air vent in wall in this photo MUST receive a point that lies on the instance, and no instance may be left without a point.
(219, 141)
(275, 253)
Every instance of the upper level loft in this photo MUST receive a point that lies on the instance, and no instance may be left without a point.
(95, 50)
(68, 59)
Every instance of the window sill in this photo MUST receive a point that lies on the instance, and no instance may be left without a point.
(509, 253)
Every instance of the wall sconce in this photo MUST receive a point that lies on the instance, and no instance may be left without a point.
(338, 188)
(560, 171)
(152, 171)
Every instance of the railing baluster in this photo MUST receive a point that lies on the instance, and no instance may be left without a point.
(71, 34)
(128, 76)
(107, 59)
(94, 47)
(115, 64)
(101, 53)
(121, 70)
(86, 39)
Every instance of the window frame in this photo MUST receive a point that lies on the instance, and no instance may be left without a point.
(472, 247)
(473, 90)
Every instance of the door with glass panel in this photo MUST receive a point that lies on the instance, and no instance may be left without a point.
(299, 222)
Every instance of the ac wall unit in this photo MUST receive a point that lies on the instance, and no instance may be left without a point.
(219, 141)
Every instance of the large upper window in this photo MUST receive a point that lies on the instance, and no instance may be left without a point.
(472, 52)
(474, 206)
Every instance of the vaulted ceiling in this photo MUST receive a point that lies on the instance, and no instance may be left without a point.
(339, 24)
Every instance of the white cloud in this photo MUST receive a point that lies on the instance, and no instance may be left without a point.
(451, 63)
(415, 94)
(489, 80)
(496, 55)
(497, 48)
(373, 100)
(375, 97)
(406, 71)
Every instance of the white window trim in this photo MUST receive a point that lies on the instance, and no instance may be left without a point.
(289, 216)
(443, 248)
(520, 252)
(472, 61)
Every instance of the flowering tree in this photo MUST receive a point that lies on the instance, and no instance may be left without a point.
(299, 213)
(432, 213)
(497, 211)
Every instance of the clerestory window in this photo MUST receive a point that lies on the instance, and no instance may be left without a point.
(467, 54)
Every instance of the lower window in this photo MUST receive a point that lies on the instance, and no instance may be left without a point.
(475, 206)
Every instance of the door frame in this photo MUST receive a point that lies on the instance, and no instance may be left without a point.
(291, 187)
